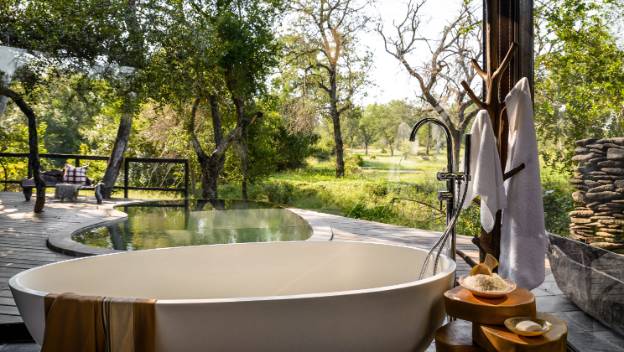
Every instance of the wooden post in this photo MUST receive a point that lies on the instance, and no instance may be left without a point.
(508, 56)
(126, 176)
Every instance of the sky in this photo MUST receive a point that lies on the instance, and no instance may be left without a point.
(390, 80)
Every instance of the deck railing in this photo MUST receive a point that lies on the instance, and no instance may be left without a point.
(77, 158)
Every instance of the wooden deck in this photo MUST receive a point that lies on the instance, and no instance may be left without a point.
(23, 237)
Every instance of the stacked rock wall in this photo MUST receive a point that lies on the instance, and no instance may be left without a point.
(598, 216)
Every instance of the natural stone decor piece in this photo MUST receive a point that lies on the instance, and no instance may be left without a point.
(598, 216)
(591, 277)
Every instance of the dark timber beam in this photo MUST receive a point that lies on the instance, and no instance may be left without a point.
(505, 22)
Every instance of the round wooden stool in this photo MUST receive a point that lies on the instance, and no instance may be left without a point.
(462, 304)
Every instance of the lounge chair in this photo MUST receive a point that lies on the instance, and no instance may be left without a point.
(54, 177)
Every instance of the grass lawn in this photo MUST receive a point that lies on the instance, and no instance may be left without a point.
(385, 188)
(391, 189)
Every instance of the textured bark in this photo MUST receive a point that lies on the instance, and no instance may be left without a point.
(121, 143)
(340, 167)
(33, 145)
(456, 138)
(242, 144)
(335, 117)
(428, 141)
(211, 164)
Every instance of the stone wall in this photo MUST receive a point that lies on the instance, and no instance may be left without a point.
(598, 216)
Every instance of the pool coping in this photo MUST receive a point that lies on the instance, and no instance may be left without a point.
(63, 242)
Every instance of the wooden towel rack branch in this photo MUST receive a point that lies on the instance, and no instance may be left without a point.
(490, 242)
(490, 79)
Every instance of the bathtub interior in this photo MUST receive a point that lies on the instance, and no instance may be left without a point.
(234, 271)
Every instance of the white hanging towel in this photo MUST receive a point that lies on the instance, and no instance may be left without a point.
(523, 234)
(486, 175)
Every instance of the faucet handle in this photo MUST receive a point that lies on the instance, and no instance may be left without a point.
(445, 195)
(453, 176)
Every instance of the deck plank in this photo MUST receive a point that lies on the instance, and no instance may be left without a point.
(23, 238)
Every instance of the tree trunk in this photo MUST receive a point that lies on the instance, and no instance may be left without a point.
(391, 147)
(428, 140)
(340, 167)
(3, 103)
(242, 145)
(456, 137)
(244, 154)
(366, 148)
(210, 180)
(335, 116)
(211, 165)
(33, 145)
(210, 170)
(119, 148)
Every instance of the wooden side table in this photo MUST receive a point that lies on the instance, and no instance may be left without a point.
(462, 304)
(482, 329)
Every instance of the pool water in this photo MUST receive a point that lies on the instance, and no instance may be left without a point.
(186, 223)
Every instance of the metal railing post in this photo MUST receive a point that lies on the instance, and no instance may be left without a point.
(126, 177)
(186, 179)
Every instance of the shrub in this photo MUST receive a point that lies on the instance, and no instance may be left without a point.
(322, 153)
(557, 204)
(292, 148)
(377, 189)
(279, 192)
(353, 163)
(381, 213)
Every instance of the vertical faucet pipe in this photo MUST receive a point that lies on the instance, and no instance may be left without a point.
(450, 183)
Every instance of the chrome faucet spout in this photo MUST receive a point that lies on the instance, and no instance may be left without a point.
(447, 132)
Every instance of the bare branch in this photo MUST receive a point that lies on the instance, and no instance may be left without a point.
(472, 95)
(503, 66)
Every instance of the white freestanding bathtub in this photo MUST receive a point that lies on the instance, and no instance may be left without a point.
(278, 296)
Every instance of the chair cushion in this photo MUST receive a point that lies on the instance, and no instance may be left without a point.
(77, 175)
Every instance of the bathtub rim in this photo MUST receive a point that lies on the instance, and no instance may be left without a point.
(14, 283)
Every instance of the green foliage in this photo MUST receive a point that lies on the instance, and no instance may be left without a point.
(557, 201)
(279, 192)
(291, 148)
(579, 80)
(85, 30)
(382, 213)
(353, 162)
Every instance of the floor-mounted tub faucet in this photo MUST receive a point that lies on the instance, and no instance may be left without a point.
(453, 179)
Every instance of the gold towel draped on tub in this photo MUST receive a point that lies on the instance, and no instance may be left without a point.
(98, 324)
